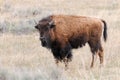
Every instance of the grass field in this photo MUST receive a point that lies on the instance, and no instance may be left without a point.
(23, 58)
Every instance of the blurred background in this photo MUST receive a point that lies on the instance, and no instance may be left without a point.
(18, 16)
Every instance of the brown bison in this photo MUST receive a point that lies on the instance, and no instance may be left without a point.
(62, 33)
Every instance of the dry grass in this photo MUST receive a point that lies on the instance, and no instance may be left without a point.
(22, 57)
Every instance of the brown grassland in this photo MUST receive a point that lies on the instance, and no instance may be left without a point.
(23, 58)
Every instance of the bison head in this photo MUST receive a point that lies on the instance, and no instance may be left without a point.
(44, 28)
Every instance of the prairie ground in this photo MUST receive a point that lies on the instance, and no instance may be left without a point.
(23, 58)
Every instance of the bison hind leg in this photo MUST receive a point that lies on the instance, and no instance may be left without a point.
(101, 55)
(96, 47)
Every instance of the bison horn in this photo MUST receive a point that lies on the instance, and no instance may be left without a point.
(51, 24)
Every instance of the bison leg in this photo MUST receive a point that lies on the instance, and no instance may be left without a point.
(93, 53)
(57, 61)
(95, 46)
(69, 56)
(66, 54)
(65, 62)
(67, 59)
(101, 55)
(62, 54)
(92, 63)
(56, 54)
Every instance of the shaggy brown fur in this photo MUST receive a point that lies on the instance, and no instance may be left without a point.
(61, 33)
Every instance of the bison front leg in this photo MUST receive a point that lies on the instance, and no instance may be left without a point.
(66, 63)
(57, 62)
(66, 54)
(56, 54)
(67, 59)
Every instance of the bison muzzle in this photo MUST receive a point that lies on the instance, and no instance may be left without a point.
(62, 33)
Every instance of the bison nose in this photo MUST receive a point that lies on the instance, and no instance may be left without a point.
(42, 38)
(43, 41)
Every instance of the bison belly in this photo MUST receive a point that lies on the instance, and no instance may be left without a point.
(78, 41)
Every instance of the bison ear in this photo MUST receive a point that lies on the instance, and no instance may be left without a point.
(51, 24)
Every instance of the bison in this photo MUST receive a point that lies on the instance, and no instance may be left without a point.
(62, 33)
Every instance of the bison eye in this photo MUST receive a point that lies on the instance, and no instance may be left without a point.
(52, 26)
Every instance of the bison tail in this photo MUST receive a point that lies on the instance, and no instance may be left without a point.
(105, 30)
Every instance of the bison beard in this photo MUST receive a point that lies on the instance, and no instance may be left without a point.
(62, 33)
(61, 53)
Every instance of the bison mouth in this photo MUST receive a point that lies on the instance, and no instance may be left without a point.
(43, 43)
